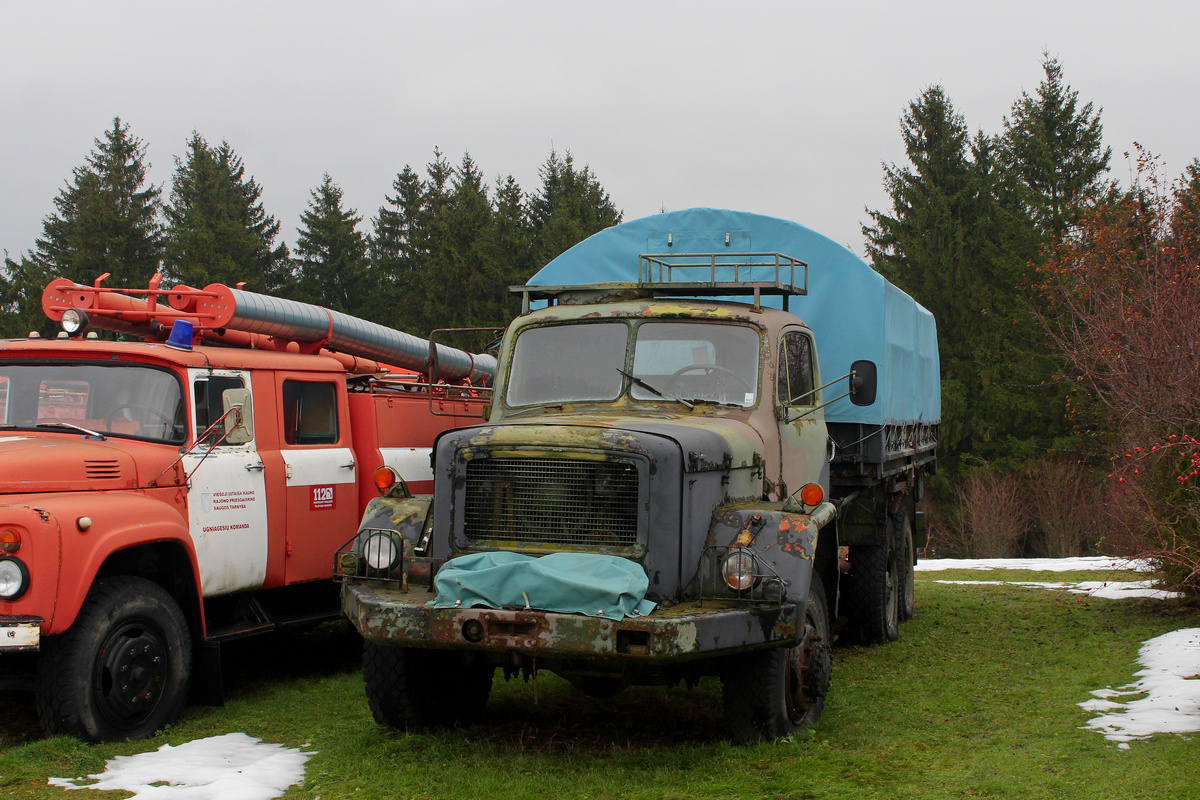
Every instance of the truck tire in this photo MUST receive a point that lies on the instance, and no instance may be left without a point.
(773, 693)
(873, 589)
(122, 670)
(414, 688)
(908, 561)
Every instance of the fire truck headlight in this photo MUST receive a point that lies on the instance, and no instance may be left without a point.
(739, 569)
(14, 578)
(381, 551)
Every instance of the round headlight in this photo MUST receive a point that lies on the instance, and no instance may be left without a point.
(381, 551)
(14, 578)
(738, 569)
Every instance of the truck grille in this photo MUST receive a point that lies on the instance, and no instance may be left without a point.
(564, 501)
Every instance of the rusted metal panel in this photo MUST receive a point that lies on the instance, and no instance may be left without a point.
(678, 633)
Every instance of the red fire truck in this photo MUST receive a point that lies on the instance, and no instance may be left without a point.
(161, 496)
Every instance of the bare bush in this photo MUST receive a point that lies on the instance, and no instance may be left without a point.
(992, 516)
(1066, 509)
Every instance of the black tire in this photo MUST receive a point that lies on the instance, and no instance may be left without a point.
(872, 589)
(122, 670)
(769, 694)
(414, 688)
(908, 561)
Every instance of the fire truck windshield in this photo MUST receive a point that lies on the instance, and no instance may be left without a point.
(119, 400)
(693, 361)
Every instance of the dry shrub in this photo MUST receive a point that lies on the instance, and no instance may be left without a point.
(1066, 509)
(992, 514)
(1153, 504)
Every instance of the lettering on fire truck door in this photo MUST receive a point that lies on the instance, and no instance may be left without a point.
(322, 493)
(227, 498)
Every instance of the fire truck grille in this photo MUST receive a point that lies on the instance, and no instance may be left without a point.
(560, 501)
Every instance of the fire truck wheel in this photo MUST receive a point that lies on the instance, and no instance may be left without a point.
(908, 574)
(121, 671)
(774, 693)
(414, 688)
(872, 589)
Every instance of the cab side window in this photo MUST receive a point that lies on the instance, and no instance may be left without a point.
(795, 382)
(207, 393)
(309, 413)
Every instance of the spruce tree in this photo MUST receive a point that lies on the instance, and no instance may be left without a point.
(107, 219)
(570, 206)
(1053, 146)
(396, 252)
(948, 241)
(218, 231)
(330, 266)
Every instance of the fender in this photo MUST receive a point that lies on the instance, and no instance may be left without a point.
(119, 521)
(783, 542)
(410, 518)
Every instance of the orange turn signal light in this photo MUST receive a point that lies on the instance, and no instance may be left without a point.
(811, 494)
(10, 540)
(385, 478)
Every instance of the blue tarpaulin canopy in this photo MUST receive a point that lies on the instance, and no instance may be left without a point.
(853, 312)
(567, 583)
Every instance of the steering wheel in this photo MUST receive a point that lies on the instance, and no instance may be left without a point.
(709, 369)
(141, 414)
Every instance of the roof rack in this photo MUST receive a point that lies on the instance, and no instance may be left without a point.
(688, 275)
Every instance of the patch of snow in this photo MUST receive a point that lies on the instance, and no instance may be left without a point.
(1164, 699)
(230, 767)
(1109, 590)
(1039, 564)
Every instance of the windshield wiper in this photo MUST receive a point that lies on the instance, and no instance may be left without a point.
(650, 388)
(96, 434)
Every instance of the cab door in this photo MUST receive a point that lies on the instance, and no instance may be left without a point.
(803, 441)
(226, 496)
(320, 472)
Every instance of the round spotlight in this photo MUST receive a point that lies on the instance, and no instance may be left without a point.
(74, 321)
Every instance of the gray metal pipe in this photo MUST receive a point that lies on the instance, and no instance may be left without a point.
(304, 322)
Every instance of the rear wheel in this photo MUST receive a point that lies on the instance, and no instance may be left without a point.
(873, 589)
(774, 693)
(414, 688)
(121, 671)
(908, 574)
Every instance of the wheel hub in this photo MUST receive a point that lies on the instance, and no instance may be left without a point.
(132, 670)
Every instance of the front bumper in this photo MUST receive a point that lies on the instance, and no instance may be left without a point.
(19, 632)
(688, 631)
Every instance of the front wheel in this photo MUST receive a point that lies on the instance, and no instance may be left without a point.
(774, 693)
(121, 671)
(414, 688)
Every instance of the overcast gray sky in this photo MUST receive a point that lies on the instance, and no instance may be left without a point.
(781, 108)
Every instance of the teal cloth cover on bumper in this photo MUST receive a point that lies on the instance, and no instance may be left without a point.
(567, 583)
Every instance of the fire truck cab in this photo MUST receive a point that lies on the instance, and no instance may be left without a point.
(160, 497)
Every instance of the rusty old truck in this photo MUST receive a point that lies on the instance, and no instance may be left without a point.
(702, 457)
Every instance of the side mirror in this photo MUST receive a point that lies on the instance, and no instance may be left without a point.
(239, 426)
(864, 381)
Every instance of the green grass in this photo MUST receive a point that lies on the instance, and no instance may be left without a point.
(978, 699)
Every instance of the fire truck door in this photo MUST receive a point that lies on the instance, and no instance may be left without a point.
(322, 493)
(227, 499)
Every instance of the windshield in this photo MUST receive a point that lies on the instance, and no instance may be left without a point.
(691, 361)
(139, 402)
